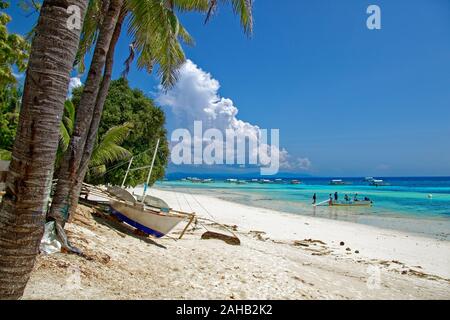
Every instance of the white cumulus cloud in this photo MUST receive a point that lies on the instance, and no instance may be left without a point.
(74, 83)
(195, 97)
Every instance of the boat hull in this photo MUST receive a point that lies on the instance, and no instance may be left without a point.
(151, 222)
(352, 204)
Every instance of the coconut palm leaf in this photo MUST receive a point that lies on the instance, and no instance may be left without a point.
(94, 17)
(157, 35)
(108, 149)
(243, 8)
(97, 170)
(66, 128)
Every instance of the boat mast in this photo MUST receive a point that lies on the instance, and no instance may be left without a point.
(150, 172)
(126, 174)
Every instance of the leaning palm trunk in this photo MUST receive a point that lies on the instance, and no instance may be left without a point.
(24, 205)
(62, 204)
(101, 98)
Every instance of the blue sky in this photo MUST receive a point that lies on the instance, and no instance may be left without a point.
(351, 100)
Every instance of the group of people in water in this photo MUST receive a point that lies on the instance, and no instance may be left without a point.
(335, 198)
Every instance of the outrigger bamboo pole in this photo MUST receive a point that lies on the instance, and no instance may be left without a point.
(126, 174)
(187, 226)
(150, 172)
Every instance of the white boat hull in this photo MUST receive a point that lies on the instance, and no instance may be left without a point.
(151, 222)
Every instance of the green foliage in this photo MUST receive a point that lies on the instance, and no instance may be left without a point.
(66, 129)
(13, 56)
(243, 8)
(125, 105)
(10, 98)
(157, 35)
(5, 155)
(108, 150)
(89, 32)
(13, 51)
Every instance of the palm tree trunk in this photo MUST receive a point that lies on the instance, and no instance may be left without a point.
(61, 205)
(101, 98)
(24, 205)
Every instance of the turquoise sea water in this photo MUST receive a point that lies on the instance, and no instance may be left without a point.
(403, 205)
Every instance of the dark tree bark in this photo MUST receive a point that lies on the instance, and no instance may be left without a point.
(23, 209)
(68, 173)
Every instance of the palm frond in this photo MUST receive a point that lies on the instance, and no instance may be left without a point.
(97, 170)
(243, 8)
(129, 60)
(89, 33)
(69, 115)
(189, 5)
(211, 10)
(64, 137)
(108, 150)
(157, 33)
(66, 128)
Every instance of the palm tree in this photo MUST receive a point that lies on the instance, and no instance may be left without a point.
(24, 205)
(157, 34)
(163, 30)
(67, 173)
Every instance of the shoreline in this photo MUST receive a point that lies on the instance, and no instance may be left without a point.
(278, 225)
(281, 256)
(436, 227)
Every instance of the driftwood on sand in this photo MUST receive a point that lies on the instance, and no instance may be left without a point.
(233, 240)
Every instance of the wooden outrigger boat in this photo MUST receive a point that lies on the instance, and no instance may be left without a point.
(362, 203)
(146, 219)
(350, 203)
(147, 214)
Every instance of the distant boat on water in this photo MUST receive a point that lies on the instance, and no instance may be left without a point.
(339, 182)
(295, 181)
(378, 183)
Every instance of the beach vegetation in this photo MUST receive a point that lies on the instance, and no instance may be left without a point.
(127, 105)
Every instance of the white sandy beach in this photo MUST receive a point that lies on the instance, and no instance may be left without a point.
(281, 256)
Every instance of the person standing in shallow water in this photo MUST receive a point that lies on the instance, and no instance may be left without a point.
(336, 196)
(314, 198)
